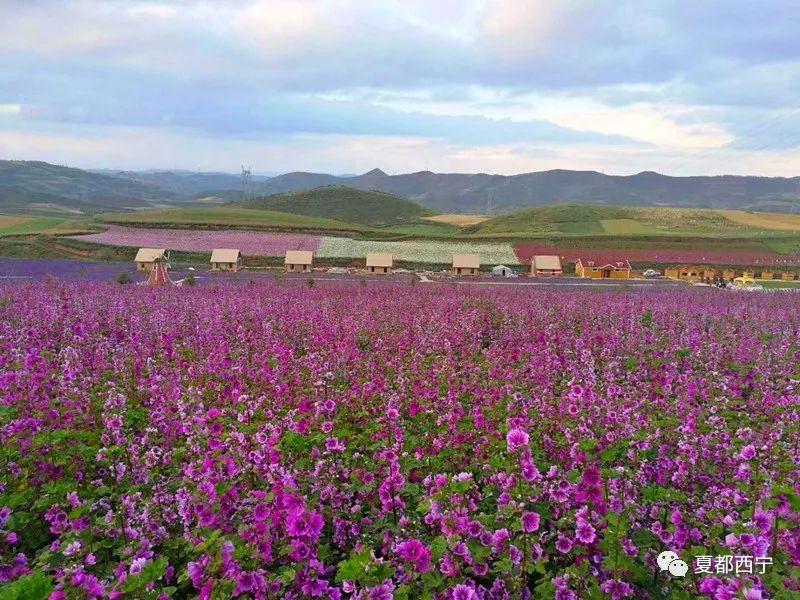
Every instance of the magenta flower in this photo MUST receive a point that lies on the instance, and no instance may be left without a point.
(530, 522)
(748, 452)
(463, 592)
(416, 553)
(516, 439)
(563, 544)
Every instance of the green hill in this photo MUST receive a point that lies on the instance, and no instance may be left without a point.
(365, 208)
(623, 221)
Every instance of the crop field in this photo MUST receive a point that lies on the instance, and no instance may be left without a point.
(286, 442)
(252, 243)
(457, 220)
(419, 251)
(780, 222)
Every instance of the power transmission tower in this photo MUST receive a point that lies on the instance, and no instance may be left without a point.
(247, 180)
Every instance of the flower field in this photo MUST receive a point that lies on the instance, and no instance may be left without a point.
(269, 441)
(252, 243)
(420, 251)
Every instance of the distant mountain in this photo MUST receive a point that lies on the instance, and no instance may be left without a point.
(350, 205)
(183, 183)
(481, 193)
(39, 187)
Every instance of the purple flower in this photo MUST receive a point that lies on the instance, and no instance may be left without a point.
(416, 553)
(463, 592)
(516, 439)
(748, 452)
(563, 544)
(585, 533)
(530, 522)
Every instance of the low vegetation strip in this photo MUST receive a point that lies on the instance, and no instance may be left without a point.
(227, 216)
(419, 251)
(252, 243)
(685, 252)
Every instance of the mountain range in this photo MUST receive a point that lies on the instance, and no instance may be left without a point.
(484, 193)
(33, 186)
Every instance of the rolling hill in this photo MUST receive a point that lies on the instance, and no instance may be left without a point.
(183, 183)
(482, 193)
(39, 187)
(366, 208)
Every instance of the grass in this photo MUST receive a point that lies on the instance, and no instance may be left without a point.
(22, 225)
(777, 284)
(364, 208)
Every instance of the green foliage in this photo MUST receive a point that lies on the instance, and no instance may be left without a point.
(36, 586)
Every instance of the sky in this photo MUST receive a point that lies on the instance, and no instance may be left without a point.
(681, 87)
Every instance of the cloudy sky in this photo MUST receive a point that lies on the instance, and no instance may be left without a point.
(499, 86)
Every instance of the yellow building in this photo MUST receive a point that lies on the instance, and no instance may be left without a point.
(691, 273)
(787, 276)
(618, 269)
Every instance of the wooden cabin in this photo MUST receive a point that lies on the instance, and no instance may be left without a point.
(380, 263)
(466, 264)
(691, 273)
(767, 274)
(787, 276)
(226, 259)
(590, 269)
(146, 258)
(298, 261)
(546, 265)
(728, 274)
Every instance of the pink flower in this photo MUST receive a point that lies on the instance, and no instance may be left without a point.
(748, 452)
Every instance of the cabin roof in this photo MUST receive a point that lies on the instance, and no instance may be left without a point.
(149, 254)
(547, 261)
(379, 259)
(225, 255)
(299, 257)
(467, 261)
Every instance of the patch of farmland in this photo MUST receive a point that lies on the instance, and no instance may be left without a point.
(251, 243)
(762, 220)
(421, 251)
(457, 220)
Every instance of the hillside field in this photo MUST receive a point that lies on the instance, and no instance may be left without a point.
(572, 219)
